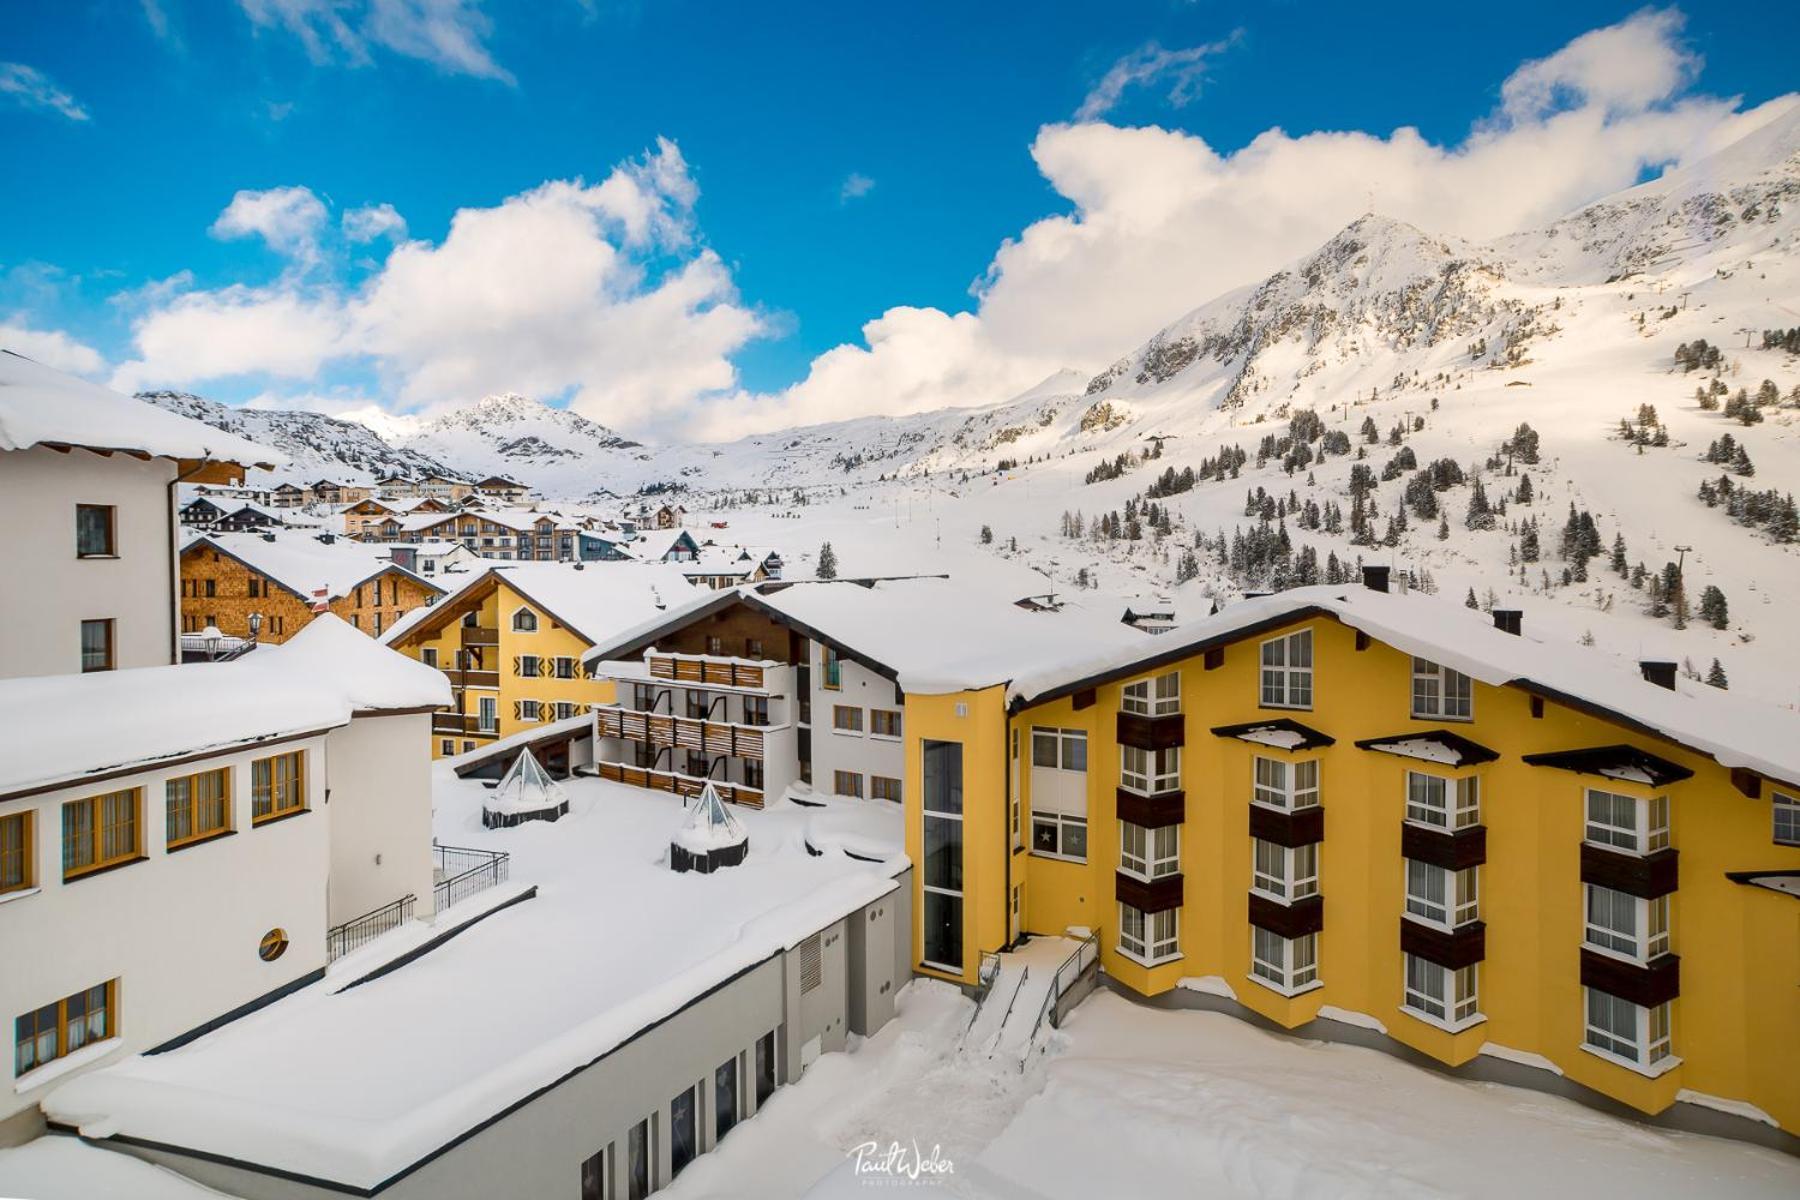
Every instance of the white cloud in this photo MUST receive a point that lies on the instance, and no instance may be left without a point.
(373, 221)
(856, 185)
(1150, 64)
(29, 87)
(51, 347)
(289, 219)
(561, 290)
(1160, 222)
(449, 34)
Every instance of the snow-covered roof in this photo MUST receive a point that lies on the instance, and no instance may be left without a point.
(316, 680)
(302, 563)
(593, 599)
(41, 406)
(1734, 731)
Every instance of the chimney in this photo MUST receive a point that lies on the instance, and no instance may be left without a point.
(1662, 674)
(1375, 578)
(1509, 620)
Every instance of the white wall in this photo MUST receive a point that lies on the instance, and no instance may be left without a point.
(834, 750)
(179, 930)
(380, 808)
(47, 592)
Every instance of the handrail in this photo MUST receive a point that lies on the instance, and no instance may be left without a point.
(985, 975)
(360, 931)
(1084, 954)
(476, 871)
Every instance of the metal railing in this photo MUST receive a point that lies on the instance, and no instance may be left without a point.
(360, 931)
(461, 872)
(1086, 955)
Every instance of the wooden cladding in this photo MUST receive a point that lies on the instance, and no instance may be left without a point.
(1152, 733)
(1214, 658)
(480, 635)
(461, 678)
(680, 785)
(1289, 828)
(1454, 948)
(1466, 847)
(1646, 877)
(1648, 984)
(1154, 811)
(687, 733)
(1288, 920)
(1155, 896)
(1085, 698)
(701, 670)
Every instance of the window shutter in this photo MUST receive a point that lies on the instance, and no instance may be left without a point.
(518, 709)
(517, 664)
(546, 667)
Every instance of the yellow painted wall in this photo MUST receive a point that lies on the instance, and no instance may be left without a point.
(1736, 1022)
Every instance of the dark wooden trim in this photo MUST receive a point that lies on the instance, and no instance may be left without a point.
(159, 764)
(1468, 753)
(412, 711)
(1466, 847)
(1159, 896)
(1084, 699)
(1600, 760)
(1362, 640)
(1453, 948)
(1153, 811)
(1747, 782)
(1152, 733)
(1213, 658)
(1645, 877)
(1649, 985)
(1311, 739)
(1537, 707)
(1289, 920)
(1761, 879)
(1288, 827)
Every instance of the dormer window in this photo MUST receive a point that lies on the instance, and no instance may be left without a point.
(524, 621)
(1441, 693)
(1287, 671)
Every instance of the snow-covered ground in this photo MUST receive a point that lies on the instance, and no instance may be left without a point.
(66, 1168)
(1133, 1101)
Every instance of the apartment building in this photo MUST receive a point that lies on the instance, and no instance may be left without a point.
(1345, 805)
(284, 579)
(89, 476)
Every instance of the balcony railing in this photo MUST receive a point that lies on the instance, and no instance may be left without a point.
(678, 784)
(480, 635)
(460, 872)
(461, 677)
(725, 672)
(451, 723)
(686, 733)
(359, 932)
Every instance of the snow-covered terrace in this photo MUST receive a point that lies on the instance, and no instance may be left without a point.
(356, 1085)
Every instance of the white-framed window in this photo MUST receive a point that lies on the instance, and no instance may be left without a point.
(1148, 772)
(1623, 924)
(1787, 818)
(566, 709)
(1149, 938)
(1441, 897)
(1059, 793)
(524, 620)
(1639, 1037)
(565, 668)
(1442, 802)
(1061, 749)
(1149, 853)
(1440, 692)
(1288, 965)
(1630, 824)
(428, 655)
(1059, 835)
(1284, 873)
(1159, 697)
(1287, 671)
(1444, 996)
(530, 710)
(527, 667)
(488, 714)
(1285, 785)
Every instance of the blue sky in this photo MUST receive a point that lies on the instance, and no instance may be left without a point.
(132, 126)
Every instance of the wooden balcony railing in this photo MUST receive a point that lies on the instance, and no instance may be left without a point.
(688, 669)
(466, 678)
(451, 723)
(680, 785)
(478, 635)
(687, 733)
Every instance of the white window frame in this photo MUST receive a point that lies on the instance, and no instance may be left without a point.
(1284, 873)
(1621, 925)
(487, 709)
(1286, 965)
(1150, 772)
(1149, 853)
(1440, 897)
(529, 665)
(428, 655)
(567, 709)
(531, 710)
(1065, 825)
(1284, 682)
(1065, 752)
(1061, 744)
(1284, 785)
(1149, 939)
(1448, 997)
(1447, 802)
(1157, 697)
(1785, 818)
(1647, 833)
(1441, 693)
(530, 622)
(1650, 1047)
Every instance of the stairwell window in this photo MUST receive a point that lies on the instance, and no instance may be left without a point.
(1159, 697)
(1287, 965)
(1441, 693)
(1436, 896)
(277, 786)
(1622, 924)
(1149, 772)
(1149, 938)
(1630, 1034)
(1149, 854)
(1287, 671)
(1447, 997)
(100, 831)
(1441, 802)
(1059, 793)
(831, 670)
(1284, 873)
(1285, 785)
(1629, 824)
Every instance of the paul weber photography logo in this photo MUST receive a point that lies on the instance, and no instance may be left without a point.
(902, 1164)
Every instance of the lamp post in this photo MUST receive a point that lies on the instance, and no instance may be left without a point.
(210, 637)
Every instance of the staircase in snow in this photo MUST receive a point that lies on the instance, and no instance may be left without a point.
(1024, 991)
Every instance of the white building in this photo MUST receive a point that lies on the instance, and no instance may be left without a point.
(176, 841)
(87, 479)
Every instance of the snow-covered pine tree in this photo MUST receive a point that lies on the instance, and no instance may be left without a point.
(828, 564)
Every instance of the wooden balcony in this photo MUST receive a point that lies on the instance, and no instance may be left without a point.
(680, 785)
(683, 668)
(452, 723)
(477, 635)
(686, 733)
(460, 678)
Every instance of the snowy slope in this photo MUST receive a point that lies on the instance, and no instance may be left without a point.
(317, 446)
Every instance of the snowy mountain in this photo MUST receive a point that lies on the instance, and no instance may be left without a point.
(319, 446)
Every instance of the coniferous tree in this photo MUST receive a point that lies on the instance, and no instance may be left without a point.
(1443, 533)
(1620, 564)
(1716, 676)
(987, 533)
(1713, 609)
(1523, 493)
(828, 563)
(1471, 602)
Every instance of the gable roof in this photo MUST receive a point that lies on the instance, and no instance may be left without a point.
(300, 562)
(43, 407)
(593, 600)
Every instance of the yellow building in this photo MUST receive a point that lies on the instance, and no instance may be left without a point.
(1386, 810)
(511, 640)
